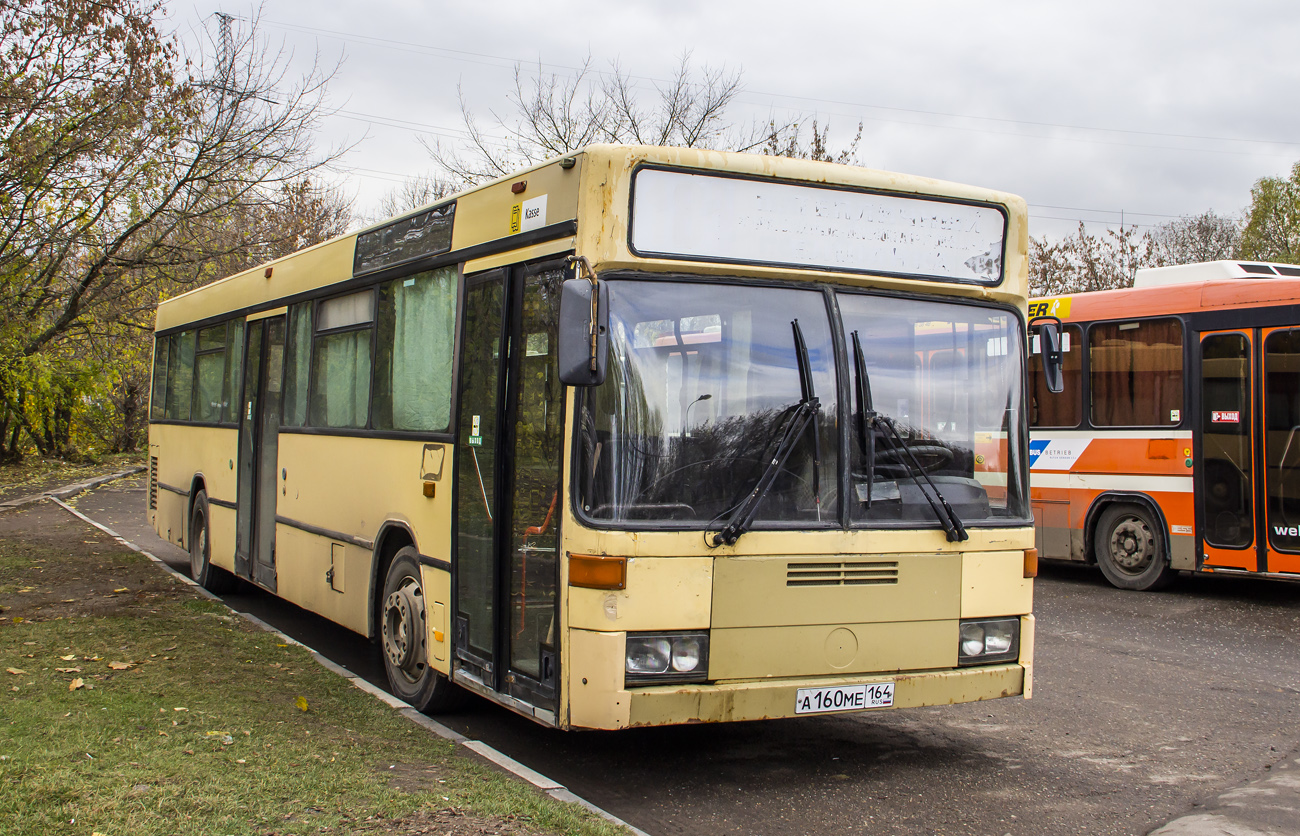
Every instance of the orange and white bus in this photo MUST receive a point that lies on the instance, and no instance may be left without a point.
(636, 436)
(1175, 445)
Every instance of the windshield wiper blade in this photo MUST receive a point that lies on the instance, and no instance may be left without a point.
(868, 420)
(806, 412)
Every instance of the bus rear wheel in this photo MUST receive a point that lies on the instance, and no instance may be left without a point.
(1129, 549)
(212, 578)
(405, 637)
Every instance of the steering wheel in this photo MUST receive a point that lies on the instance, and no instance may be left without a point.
(931, 457)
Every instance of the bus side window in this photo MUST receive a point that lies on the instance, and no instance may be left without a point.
(158, 396)
(297, 359)
(340, 362)
(209, 371)
(1064, 409)
(413, 362)
(180, 376)
(1137, 373)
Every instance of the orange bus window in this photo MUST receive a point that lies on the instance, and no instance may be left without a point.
(1137, 373)
(1063, 409)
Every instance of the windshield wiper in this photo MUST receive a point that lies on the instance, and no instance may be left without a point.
(868, 421)
(807, 411)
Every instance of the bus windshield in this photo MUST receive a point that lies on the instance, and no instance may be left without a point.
(704, 379)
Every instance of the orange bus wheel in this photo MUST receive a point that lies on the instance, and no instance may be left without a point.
(1130, 550)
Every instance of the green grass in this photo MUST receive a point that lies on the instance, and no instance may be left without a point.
(205, 733)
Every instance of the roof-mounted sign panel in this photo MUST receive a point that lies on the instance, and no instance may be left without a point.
(427, 233)
(701, 217)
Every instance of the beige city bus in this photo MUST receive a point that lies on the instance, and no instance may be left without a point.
(634, 437)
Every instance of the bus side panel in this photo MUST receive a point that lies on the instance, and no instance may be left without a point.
(184, 452)
(1155, 467)
(351, 486)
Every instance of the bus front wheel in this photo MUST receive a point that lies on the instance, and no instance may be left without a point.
(405, 639)
(212, 578)
(1130, 550)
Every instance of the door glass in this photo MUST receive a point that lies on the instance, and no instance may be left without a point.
(534, 523)
(1225, 399)
(248, 449)
(1282, 439)
(476, 498)
(268, 454)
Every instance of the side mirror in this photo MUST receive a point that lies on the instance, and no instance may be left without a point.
(584, 332)
(1048, 330)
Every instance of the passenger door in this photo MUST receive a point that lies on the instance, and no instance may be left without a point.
(1226, 472)
(1281, 453)
(508, 462)
(259, 428)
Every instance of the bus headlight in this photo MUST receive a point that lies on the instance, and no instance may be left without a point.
(666, 657)
(983, 641)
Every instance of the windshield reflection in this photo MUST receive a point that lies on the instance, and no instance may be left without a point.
(702, 378)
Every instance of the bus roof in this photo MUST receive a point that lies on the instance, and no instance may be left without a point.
(1187, 288)
(1212, 270)
(592, 182)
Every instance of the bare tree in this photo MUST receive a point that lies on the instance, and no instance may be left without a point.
(1083, 262)
(554, 115)
(791, 143)
(132, 163)
(1195, 238)
(413, 193)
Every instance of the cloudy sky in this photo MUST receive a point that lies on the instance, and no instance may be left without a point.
(1148, 108)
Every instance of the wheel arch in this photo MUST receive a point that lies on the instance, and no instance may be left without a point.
(1109, 498)
(393, 536)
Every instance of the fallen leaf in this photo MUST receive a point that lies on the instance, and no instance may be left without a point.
(182, 708)
(18, 619)
(75, 684)
(20, 672)
(120, 666)
(163, 734)
(69, 657)
(68, 670)
(241, 760)
(301, 702)
(123, 589)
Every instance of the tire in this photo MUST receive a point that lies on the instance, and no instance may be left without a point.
(1130, 549)
(404, 640)
(212, 578)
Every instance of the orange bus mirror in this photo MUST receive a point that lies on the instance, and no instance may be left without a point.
(584, 332)
(1048, 330)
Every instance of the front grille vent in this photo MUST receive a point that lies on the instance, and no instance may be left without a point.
(153, 483)
(849, 573)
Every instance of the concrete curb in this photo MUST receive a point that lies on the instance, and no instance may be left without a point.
(552, 788)
(69, 490)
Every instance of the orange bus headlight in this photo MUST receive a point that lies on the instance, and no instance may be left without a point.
(666, 657)
(988, 640)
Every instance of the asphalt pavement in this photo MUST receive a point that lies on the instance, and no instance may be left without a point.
(1169, 713)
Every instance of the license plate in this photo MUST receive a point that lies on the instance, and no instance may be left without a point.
(844, 698)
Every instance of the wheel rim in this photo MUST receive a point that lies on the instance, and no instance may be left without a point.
(403, 629)
(1132, 546)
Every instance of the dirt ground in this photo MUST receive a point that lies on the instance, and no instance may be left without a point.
(54, 566)
(67, 569)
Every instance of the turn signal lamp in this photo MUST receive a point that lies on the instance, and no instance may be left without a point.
(1031, 563)
(597, 572)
